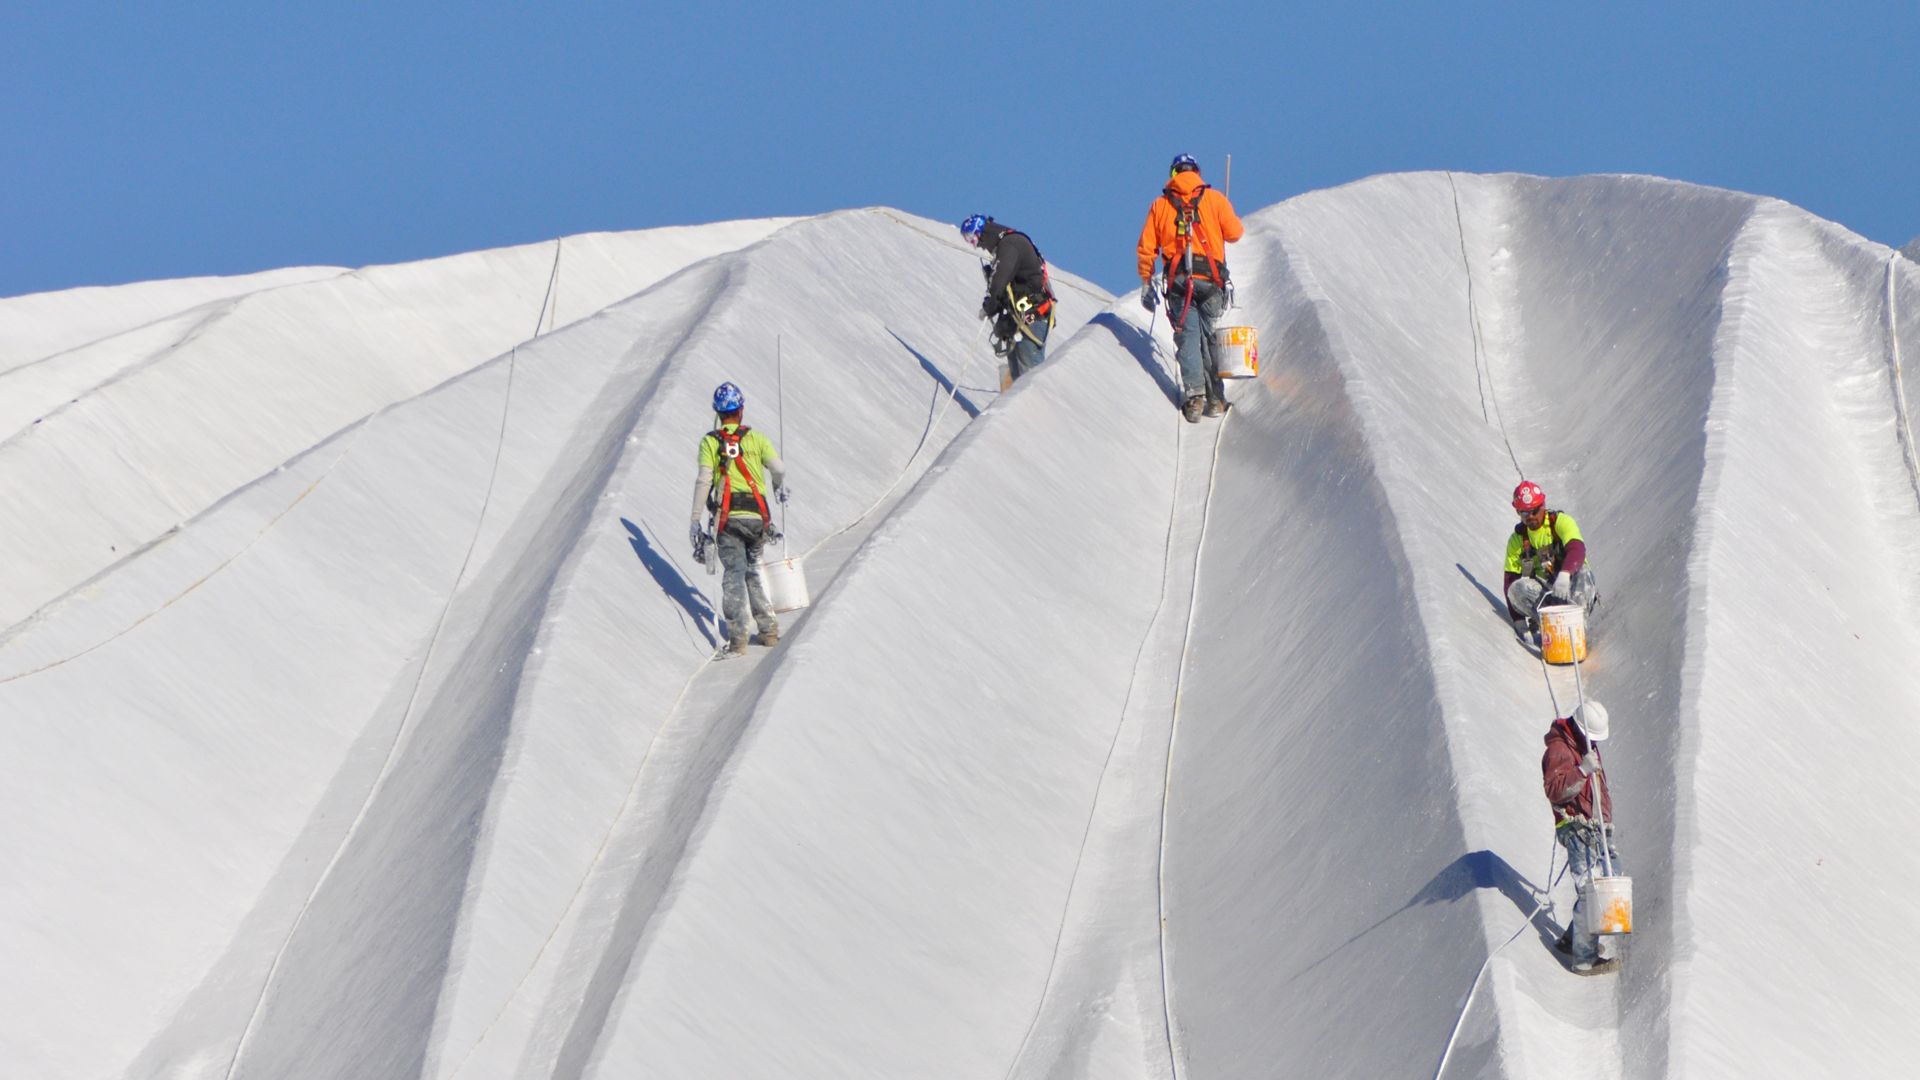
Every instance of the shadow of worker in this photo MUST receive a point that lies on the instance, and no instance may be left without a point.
(1139, 344)
(673, 582)
(1460, 878)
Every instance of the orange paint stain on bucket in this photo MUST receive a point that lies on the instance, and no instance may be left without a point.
(1563, 634)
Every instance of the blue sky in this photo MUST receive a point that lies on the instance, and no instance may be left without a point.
(146, 141)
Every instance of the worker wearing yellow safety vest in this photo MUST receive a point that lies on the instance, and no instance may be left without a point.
(1546, 562)
(739, 471)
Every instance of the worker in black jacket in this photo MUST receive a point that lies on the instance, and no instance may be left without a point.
(1019, 297)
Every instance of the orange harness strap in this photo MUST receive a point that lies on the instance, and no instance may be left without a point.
(729, 460)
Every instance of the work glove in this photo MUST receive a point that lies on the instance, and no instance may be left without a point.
(1563, 587)
(988, 306)
(1229, 292)
(1150, 296)
(700, 538)
(782, 493)
(986, 271)
(1589, 763)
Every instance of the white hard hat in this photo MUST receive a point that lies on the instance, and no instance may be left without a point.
(1592, 718)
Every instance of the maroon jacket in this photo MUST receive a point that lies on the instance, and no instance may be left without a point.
(1567, 790)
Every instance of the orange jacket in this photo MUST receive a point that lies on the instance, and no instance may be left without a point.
(1216, 227)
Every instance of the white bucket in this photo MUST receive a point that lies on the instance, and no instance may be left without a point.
(1238, 350)
(785, 582)
(1563, 634)
(1609, 907)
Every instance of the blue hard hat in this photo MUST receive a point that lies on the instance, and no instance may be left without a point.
(728, 398)
(1183, 162)
(973, 226)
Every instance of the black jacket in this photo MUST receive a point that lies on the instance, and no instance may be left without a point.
(1016, 262)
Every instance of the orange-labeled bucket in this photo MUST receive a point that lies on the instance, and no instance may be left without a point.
(1563, 634)
(1609, 908)
(1238, 350)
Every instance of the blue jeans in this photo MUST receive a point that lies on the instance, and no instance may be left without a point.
(1582, 842)
(740, 543)
(1193, 337)
(1027, 353)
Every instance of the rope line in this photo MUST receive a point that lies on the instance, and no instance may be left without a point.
(1173, 730)
(1166, 574)
(1546, 673)
(1912, 453)
(1473, 317)
(400, 730)
(933, 422)
(1545, 903)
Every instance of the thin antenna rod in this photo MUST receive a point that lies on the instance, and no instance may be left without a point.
(780, 392)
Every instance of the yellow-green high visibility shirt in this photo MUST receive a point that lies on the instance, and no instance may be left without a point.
(1558, 524)
(755, 451)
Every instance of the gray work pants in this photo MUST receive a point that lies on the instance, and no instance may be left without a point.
(740, 543)
(1527, 592)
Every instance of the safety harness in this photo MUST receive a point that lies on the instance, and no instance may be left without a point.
(1186, 220)
(1554, 554)
(1024, 309)
(749, 499)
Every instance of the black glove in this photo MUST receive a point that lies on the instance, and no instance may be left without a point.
(700, 538)
(988, 307)
(782, 494)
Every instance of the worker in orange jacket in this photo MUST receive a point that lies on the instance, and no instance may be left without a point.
(1189, 227)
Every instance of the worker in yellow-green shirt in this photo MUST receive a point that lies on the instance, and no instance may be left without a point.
(740, 471)
(1546, 562)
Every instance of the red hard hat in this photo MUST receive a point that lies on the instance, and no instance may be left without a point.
(1528, 497)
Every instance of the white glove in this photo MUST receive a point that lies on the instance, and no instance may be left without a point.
(1150, 294)
(1589, 763)
(1562, 587)
(782, 493)
(699, 538)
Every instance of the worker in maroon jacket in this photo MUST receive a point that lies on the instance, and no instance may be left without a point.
(1571, 773)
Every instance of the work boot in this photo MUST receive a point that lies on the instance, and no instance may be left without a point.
(770, 636)
(1598, 967)
(1565, 943)
(1192, 409)
(732, 649)
(1216, 407)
